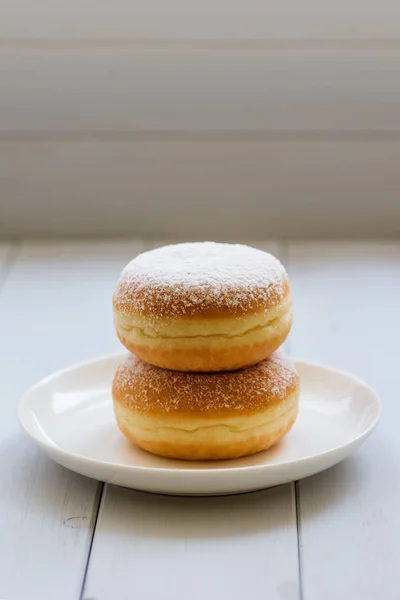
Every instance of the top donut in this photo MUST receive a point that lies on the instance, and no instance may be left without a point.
(201, 279)
(202, 298)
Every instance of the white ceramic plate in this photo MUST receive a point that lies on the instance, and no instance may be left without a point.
(69, 415)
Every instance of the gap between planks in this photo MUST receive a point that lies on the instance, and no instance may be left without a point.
(97, 507)
(284, 256)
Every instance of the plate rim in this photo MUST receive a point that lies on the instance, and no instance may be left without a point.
(199, 472)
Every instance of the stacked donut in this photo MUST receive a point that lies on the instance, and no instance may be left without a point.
(205, 379)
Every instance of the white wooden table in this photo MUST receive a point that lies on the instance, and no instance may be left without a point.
(333, 536)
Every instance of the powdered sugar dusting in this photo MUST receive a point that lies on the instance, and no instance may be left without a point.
(186, 279)
(145, 388)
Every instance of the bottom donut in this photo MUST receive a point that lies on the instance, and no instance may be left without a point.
(206, 416)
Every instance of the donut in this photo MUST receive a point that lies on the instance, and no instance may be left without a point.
(206, 416)
(203, 306)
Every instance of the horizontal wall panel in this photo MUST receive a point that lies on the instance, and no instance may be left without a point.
(199, 188)
(360, 19)
(199, 90)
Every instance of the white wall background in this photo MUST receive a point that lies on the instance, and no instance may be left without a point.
(199, 118)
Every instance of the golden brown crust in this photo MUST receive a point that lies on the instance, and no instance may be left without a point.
(199, 345)
(207, 280)
(228, 358)
(151, 300)
(218, 442)
(147, 389)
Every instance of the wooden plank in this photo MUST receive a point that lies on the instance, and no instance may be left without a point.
(251, 188)
(346, 313)
(229, 548)
(194, 544)
(352, 19)
(199, 89)
(54, 310)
